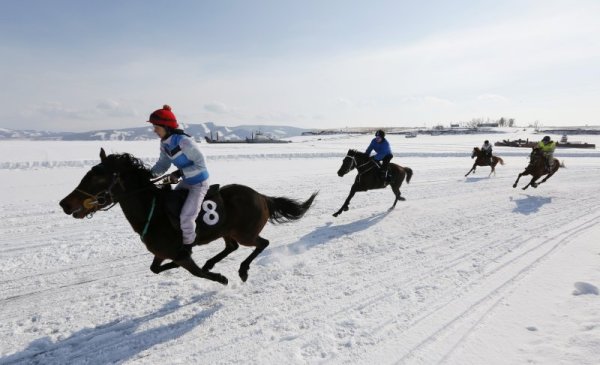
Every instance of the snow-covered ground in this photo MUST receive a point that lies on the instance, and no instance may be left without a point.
(465, 271)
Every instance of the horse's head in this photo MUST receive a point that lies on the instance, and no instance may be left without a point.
(348, 163)
(99, 187)
(536, 152)
(475, 152)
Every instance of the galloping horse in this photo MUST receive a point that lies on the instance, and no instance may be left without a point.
(369, 178)
(537, 168)
(482, 160)
(122, 178)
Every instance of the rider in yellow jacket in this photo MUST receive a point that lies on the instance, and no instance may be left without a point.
(547, 146)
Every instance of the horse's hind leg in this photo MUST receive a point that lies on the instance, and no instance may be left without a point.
(396, 190)
(532, 183)
(185, 260)
(230, 246)
(548, 176)
(157, 268)
(260, 244)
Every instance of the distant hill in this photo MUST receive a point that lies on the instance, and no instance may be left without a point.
(198, 131)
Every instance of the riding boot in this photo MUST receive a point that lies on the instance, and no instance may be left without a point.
(383, 174)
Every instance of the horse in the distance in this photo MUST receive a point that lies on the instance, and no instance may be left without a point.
(482, 160)
(537, 168)
(236, 213)
(369, 176)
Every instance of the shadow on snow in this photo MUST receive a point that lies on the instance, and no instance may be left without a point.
(116, 341)
(530, 204)
(324, 234)
(475, 179)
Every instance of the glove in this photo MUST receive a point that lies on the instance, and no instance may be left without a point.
(173, 177)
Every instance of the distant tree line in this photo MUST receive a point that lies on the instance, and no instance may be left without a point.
(478, 122)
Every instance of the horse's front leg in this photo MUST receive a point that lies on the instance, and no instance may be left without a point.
(347, 202)
(472, 169)
(518, 177)
(157, 268)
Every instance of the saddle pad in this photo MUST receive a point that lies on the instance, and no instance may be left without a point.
(212, 214)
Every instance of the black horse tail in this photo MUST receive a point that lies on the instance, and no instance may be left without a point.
(282, 209)
(409, 173)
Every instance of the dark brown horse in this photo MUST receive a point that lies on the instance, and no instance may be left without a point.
(483, 160)
(537, 168)
(123, 179)
(369, 176)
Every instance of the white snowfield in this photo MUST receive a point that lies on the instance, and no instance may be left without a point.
(465, 271)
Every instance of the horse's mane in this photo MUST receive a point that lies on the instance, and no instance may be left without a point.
(125, 162)
(354, 152)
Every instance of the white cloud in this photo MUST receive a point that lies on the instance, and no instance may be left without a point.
(492, 98)
(215, 107)
(112, 108)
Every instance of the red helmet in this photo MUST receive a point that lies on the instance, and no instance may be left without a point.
(164, 117)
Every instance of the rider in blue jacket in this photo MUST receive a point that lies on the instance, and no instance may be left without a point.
(383, 151)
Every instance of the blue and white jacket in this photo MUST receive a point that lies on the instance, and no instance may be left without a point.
(181, 151)
(382, 149)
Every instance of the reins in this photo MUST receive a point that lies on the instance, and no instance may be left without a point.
(358, 167)
(99, 200)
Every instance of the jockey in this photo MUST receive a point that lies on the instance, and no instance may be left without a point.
(547, 146)
(487, 150)
(383, 151)
(179, 149)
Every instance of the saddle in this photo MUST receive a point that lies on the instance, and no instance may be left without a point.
(386, 175)
(211, 216)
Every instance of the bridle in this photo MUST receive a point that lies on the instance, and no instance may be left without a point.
(107, 197)
(358, 167)
(103, 198)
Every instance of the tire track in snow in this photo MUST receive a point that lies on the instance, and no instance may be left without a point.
(497, 290)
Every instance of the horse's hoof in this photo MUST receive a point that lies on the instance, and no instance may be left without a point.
(345, 209)
(515, 185)
(401, 198)
(220, 279)
(336, 214)
(243, 275)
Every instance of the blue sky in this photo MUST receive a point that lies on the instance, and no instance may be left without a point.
(84, 65)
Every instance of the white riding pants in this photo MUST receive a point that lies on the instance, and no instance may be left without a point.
(191, 209)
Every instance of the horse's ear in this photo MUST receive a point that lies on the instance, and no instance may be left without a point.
(102, 155)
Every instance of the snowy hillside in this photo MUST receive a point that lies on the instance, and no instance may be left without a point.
(465, 271)
(198, 131)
